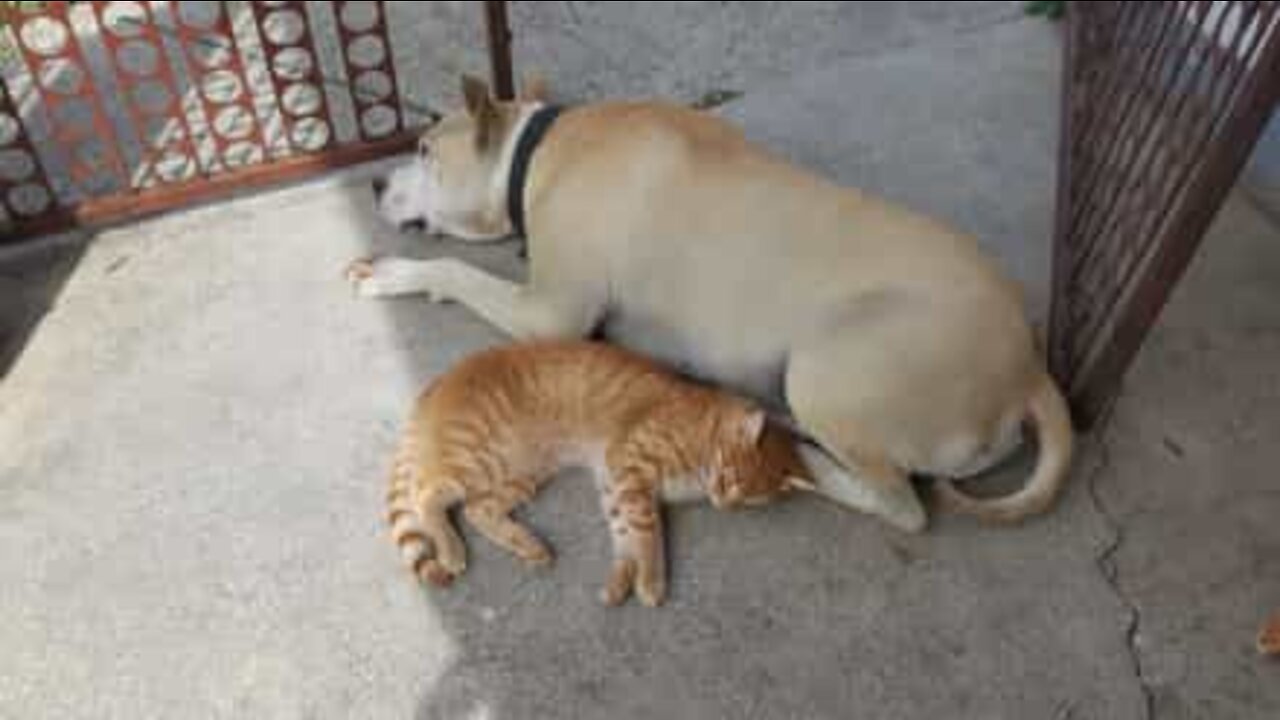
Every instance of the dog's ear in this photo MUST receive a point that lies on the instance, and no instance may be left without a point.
(534, 88)
(481, 108)
(476, 93)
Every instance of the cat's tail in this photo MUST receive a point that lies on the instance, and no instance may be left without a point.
(407, 533)
(1048, 410)
(405, 508)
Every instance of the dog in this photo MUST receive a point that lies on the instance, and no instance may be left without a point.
(891, 339)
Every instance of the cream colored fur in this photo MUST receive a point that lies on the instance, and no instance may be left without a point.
(891, 338)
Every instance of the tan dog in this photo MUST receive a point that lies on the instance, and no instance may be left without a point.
(893, 341)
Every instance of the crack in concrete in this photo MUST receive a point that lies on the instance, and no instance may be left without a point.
(1109, 568)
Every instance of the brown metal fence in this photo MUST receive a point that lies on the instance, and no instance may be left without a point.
(113, 110)
(1163, 102)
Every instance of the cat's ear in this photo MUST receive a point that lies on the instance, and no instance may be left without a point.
(753, 426)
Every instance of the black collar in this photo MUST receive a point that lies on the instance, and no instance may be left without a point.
(527, 144)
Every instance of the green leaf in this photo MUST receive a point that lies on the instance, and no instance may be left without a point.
(1050, 9)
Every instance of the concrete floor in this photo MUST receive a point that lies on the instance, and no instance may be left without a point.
(196, 435)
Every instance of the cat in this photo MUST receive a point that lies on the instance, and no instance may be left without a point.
(492, 430)
(1269, 637)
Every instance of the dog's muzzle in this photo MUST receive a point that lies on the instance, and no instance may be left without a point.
(380, 185)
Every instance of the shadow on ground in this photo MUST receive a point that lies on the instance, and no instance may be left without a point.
(30, 280)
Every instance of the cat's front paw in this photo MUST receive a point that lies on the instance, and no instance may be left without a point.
(652, 592)
(618, 587)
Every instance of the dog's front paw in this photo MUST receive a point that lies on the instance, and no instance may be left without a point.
(361, 275)
(358, 270)
(389, 276)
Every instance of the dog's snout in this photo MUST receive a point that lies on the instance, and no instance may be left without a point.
(379, 187)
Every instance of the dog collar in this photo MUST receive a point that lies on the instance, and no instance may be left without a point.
(527, 144)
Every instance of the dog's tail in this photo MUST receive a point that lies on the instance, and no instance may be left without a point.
(1048, 410)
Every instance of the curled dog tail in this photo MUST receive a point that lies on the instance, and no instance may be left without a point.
(1048, 411)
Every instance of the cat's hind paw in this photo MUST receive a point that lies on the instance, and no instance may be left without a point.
(540, 556)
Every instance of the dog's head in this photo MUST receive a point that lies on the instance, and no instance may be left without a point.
(454, 185)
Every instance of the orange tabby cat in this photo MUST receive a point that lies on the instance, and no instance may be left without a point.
(491, 431)
(1269, 638)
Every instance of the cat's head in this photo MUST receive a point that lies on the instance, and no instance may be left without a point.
(754, 463)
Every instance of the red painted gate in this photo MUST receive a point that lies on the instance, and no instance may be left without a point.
(113, 110)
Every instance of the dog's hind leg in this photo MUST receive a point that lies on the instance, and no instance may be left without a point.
(833, 404)
(867, 482)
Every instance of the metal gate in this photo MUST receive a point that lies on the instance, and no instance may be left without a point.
(1162, 104)
(113, 110)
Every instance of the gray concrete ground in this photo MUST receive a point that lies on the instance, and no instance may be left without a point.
(1189, 479)
(195, 440)
(679, 50)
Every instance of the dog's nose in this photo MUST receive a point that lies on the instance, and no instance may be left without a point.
(414, 225)
(379, 187)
